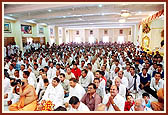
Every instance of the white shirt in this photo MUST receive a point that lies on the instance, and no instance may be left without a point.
(102, 86)
(20, 62)
(122, 90)
(62, 71)
(131, 82)
(32, 75)
(11, 72)
(126, 74)
(21, 73)
(51, 73)
(91, 75)
(113, 76)
(40, 85)
(107, 75)
(67, 76)
(82, 107)
(44, 63)
(7, 86)
(94, 67)
(154, 86)
(85, 81)
(118, 100)
(114, 66)
(56, 95)
(31, 81)
(77, 91)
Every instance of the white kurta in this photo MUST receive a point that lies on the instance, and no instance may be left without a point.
(56, 95)
(158, 86)
(77, 91)
(118, 100)
(82, 107)
(51, 73)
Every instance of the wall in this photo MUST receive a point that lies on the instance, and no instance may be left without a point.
(98, 33)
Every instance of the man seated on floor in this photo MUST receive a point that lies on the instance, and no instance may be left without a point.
(114, 101)
(159, 105)
(54, 93)
(91, 98)
(140, 105)
(27, 101)
(76, 105)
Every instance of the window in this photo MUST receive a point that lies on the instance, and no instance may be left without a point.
(105, 38)
(120, 39)
(91, 39)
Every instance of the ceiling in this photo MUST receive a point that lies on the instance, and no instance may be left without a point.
(82, 14)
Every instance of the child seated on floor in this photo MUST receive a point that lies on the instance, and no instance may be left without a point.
(146, 97)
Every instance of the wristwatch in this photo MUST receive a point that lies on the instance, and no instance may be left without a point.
(114, 104)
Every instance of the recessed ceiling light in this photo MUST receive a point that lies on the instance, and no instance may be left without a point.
(49, 10)
(43, 24)
(100, 5)
(64, 16)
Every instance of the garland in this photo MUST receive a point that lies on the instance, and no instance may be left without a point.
(47, 105)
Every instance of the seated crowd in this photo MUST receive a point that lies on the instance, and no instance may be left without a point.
(84, 77)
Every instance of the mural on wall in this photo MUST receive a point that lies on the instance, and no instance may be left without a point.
(26, 29)
(7, 27)
(41, 30)
(146, 29)
(91, 32)
(145, 42)
(121, 31)
(105, 32)
(77, 32)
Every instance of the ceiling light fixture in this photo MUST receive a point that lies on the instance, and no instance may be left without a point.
(9, 18)
(122, 20)
(139, 12)
(100, 5)
(102, 14)
(30, 21)
(49, 10)
(125, 13)
(43, 24)
(64, 16)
